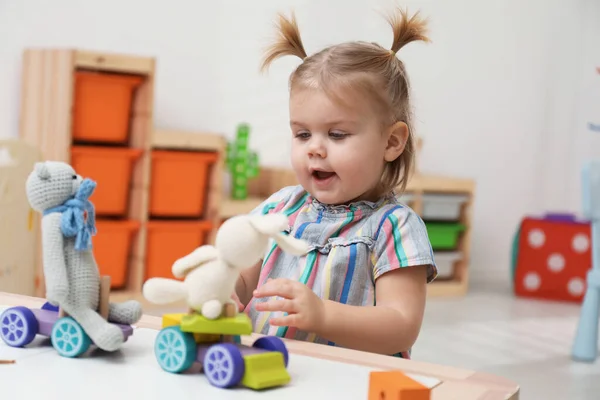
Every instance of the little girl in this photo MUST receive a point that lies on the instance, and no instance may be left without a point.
(362, 284)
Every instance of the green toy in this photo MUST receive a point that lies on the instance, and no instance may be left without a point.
(241, 162)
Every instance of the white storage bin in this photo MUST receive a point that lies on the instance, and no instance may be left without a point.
(442, 207)
(445, 263)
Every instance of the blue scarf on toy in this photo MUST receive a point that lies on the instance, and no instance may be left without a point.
(73, 222)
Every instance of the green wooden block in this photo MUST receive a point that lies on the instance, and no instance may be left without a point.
(238, 325)
(265, 370)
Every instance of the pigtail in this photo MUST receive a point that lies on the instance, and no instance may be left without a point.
(407, 30)
(287, 44)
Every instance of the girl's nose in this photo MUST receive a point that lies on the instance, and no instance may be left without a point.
(316, 149)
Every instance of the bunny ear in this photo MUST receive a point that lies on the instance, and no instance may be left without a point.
(196, 258)
(269, 224)
(291, 245)
(42, 171)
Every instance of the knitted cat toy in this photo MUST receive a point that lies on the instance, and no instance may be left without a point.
(70, 270)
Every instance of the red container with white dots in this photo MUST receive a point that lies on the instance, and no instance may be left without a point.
(553, 256)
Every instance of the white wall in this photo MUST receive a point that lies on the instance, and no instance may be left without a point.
(496, 92)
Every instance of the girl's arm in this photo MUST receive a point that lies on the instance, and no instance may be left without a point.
(247, 282)
(391, 326)
(403, 264)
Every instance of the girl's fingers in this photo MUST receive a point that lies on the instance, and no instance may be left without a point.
(276, 287)
(284, 305)
(287, 320)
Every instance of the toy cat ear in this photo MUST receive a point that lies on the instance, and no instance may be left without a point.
(193, 260)
(270, 224)
(42, 171)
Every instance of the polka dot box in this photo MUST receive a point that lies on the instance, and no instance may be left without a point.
(551, 258)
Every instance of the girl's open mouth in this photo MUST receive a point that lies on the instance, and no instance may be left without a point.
(322, 175)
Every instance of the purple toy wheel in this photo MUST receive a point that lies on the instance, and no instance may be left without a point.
(224, 365)
(18, 326)
(273, 343)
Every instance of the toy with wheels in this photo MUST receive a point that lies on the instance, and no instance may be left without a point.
(19, 326)
(215, 344)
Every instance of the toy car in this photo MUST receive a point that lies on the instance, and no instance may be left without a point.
(19, 325)
(190, 338)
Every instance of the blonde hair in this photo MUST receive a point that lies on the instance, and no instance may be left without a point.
(365, 67)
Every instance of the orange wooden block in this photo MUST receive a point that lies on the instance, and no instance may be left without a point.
(394, 385)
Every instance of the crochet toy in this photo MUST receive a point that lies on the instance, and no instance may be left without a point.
(211, 272)
(70, 270)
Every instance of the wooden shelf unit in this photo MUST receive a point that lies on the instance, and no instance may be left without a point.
(47, 101)
(423, 184)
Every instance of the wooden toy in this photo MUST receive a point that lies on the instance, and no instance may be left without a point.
(388, 385)
(209, 333)
(242, 163)
(216, 345)
(78, 312)
(585, 345)
(20, 325)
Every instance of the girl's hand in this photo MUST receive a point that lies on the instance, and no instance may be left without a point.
(306, 311)
(239, 304)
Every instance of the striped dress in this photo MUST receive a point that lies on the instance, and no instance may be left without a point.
(350, 246)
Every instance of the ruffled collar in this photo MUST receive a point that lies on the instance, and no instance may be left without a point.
(363, 205)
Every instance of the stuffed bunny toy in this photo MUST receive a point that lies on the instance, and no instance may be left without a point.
(211, 272)
(70, 270)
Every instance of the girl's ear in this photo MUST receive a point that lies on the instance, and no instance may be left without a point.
(397, 136)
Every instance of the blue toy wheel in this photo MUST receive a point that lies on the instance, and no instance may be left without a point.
(18, 326)
(224, 365)
(273, 343)
(68, 338)
(175, 350)
(49, 307)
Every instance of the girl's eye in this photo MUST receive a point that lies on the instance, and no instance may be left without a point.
(302, 135)
(337, 135)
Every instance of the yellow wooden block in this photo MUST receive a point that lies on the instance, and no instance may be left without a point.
(171, 319)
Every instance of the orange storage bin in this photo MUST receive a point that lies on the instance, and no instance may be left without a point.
(179, 182)
(112, 246)
(111, 168)
(168, 241)
(102, 106)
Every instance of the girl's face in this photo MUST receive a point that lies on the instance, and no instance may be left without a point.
(338, 152)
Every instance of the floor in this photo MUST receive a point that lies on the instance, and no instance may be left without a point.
(526, 341)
